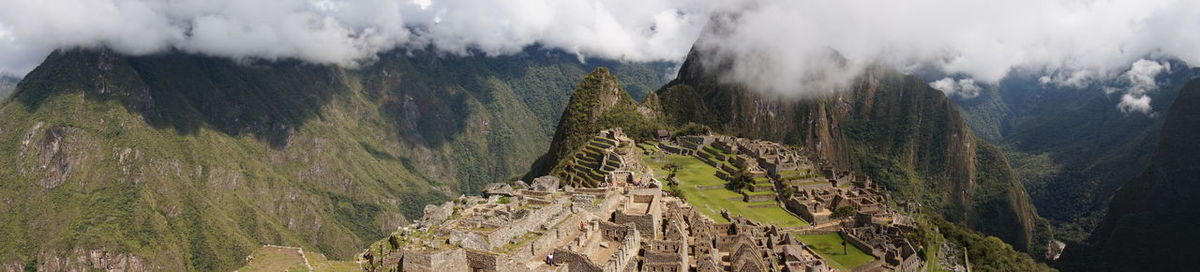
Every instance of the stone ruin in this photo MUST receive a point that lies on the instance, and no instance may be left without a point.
(886, 243)
(623, 225)
(586, 229)
(608, 158)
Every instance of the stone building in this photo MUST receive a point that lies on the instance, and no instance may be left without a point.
(616, 222)
(886, 243)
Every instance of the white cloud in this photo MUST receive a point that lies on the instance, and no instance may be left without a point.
(1134, 103)
(1142, 80)
(346, 32)
(1075, 42)
(783, 46)
(965, 88)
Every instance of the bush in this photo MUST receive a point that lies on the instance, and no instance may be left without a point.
(842, 212)
(694, 129)
(740, 180)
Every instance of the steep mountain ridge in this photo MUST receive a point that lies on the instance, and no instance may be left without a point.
(1150, 224)
(893, 127)
(182, 162)
(1072, 148)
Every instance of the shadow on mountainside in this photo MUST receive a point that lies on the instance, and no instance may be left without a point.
(428, 96)
(186, 92)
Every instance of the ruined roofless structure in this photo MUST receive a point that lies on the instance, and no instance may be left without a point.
(610, 157)
(543, 226)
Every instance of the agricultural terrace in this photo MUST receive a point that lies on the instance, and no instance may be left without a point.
(699, 185)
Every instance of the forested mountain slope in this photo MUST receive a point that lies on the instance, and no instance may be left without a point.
(1072, 148)
(183, 162)
(1150, 225)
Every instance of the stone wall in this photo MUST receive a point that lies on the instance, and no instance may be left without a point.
(760, 198)
(446, 260)
(647, 224)
(530, 222)
(644, 223)
(623, 258)
(575, 262)
(608, 205)
(912, 263)
(665, 256)
(861, 245)
(728, 242)
(795, 206)
(614, 232)
(482, 261)
(661, 267)
(567, 226)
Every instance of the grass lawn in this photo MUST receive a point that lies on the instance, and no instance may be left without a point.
(710, 202)
(830, 247)
(275, 259)
(320, 263)
(284, 259)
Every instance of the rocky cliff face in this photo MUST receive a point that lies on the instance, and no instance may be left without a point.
(180, 162)
(1151, 220)
(891, 126)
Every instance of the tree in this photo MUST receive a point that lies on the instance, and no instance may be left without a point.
(740, 180)
(673, 168)
(842, 212)
(787, 192)
(694, 129)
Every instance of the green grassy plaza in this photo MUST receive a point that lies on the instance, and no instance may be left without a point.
(830, 246)
(695, 173)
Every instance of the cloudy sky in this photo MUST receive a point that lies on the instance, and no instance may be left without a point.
(776, 42)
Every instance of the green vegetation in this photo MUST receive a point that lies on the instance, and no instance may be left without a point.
(842, 212)
(987, 253)
(272, 259)
(695, 173)
(1049, 134)
(7, 84)
(693, 129)
(829, 245)
(275, 259)
(1150, 224)
(191, 162)
(524, 240)
(598, 102)
(739, 181)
